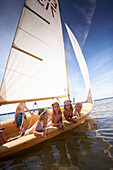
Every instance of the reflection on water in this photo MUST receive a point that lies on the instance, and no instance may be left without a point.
(88, 146)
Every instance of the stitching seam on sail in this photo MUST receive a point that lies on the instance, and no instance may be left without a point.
(39, 40)
(33, 78)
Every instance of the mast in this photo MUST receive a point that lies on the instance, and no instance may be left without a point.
(65, 57)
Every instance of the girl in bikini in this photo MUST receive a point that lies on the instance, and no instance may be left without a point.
(57, 116)
(78, 107)
(68, 111)
(39, 128)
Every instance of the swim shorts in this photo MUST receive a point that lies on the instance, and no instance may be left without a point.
(19, 119)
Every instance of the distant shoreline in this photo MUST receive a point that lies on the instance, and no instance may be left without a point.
(49, 107)
(104, 98)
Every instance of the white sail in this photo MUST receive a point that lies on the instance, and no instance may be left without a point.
(81, 62)
(36, 67)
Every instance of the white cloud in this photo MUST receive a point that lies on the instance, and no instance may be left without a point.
(100, 59)
(87, 12)
(103, 92)
(103, 79)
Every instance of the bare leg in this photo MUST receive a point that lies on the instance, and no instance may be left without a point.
(13, 138)
(1, 141)
(3, 138)
(23, 125)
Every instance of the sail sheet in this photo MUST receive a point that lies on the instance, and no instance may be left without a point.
(36, 67)
(81, 62)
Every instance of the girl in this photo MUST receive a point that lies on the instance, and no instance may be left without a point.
(68, 111)
(57, 116)
(39, 128)
(78, 107)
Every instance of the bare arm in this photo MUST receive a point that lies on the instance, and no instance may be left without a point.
(52, 120)
(74, 113)
(63, 116)
(36, 129)
(28, 110)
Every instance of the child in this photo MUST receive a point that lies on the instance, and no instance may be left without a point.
(20, 117)
(68, 111)
(39, 128)
(78, 107)
(57, 116)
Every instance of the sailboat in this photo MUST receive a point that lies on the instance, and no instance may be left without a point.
(36, 69)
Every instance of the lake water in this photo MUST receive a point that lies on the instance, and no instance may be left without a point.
(88, 146)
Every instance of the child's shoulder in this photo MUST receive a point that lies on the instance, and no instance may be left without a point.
(38, 122)
(52, 113)
(64, 110)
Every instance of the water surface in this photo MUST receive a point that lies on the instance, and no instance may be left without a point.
(88, 146)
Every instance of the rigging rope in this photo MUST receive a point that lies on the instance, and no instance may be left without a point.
(59, 101)
(32, 114)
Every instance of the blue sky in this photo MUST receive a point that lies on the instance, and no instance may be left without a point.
(91, 21)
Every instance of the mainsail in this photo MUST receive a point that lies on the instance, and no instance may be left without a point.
(36, 67)
(81, 62)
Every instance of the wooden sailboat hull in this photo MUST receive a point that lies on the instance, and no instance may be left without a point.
(25, 142)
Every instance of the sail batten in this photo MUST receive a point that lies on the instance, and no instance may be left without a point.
(26, 53)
